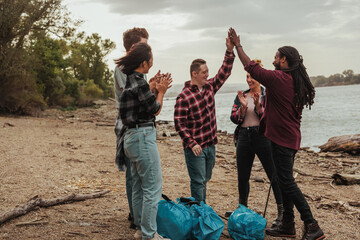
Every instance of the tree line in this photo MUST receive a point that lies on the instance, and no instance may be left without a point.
(45, 62)
(346, 78)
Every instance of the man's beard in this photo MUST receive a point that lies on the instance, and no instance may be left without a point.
(277, 66)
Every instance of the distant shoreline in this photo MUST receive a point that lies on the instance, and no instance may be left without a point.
(231, 88)
(335, 85)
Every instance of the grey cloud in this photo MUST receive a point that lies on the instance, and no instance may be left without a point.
(264, 16)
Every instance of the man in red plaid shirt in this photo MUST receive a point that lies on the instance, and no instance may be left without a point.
(195, 120)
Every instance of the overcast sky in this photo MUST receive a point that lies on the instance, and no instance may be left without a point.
(326, 32)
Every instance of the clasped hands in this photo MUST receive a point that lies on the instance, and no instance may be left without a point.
(160, 83)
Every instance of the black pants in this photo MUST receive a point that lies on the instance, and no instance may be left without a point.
(250, 143)
(291, 194)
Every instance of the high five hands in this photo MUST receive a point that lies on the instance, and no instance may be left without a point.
(234, 38)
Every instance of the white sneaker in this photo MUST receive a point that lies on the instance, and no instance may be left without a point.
(138, 234)
(158, 237)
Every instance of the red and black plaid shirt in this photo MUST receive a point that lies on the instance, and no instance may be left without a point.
(194, 116)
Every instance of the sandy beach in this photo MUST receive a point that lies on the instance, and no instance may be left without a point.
(59, 153)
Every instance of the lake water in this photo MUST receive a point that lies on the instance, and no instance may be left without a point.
(335, 112)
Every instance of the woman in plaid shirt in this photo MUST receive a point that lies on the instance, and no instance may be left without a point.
(138, 108)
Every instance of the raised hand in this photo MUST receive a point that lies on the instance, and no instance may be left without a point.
(234, 38)
(229, 44)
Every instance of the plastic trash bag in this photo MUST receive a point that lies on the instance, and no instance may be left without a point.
(244, 223)
(173, 220)
(207, 225)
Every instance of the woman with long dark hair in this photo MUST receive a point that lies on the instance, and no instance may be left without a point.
(288, 90)
(246, 113)
(138, 108)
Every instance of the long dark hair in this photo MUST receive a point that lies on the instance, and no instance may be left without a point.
(139, 53)
(304, 90)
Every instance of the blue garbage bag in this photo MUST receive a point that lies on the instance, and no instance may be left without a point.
(173, 220)
(207, 225)
(244, 223)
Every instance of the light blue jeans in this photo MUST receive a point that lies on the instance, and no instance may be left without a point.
(200, 170)
(140, 147)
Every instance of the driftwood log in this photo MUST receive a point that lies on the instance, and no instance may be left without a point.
(39, 202)
(346, 179)
(346, 143)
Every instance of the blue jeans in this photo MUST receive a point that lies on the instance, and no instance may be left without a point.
(284, 163)
(200, 170)
(249, 143)
(140, 147)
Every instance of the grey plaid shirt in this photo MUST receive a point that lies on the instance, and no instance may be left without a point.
(137, 103)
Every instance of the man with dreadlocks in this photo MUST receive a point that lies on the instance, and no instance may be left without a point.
(288, 90)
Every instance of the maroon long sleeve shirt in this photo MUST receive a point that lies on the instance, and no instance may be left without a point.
(281, 119)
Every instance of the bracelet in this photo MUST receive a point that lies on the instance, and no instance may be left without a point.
(238, 46)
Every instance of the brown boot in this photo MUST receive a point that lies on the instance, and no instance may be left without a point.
(285, 229)
(313, 232)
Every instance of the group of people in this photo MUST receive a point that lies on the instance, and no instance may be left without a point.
(268, 125)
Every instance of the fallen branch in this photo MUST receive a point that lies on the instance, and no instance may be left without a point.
(331, 184)
(78, 234)
(346, 179)
(39, 202)
(355, 161)
(301, 172)
(36, 222)
(340, 205)
(346, 143)
(105, 124)
(354, 204)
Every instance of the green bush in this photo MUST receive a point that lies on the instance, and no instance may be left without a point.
(72, 88)
(93, 90)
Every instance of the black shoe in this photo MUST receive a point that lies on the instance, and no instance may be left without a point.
(130, 218)
(313, 232)
(133, 226)
(284, 229)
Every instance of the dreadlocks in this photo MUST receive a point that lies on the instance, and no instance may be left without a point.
(304, 90)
